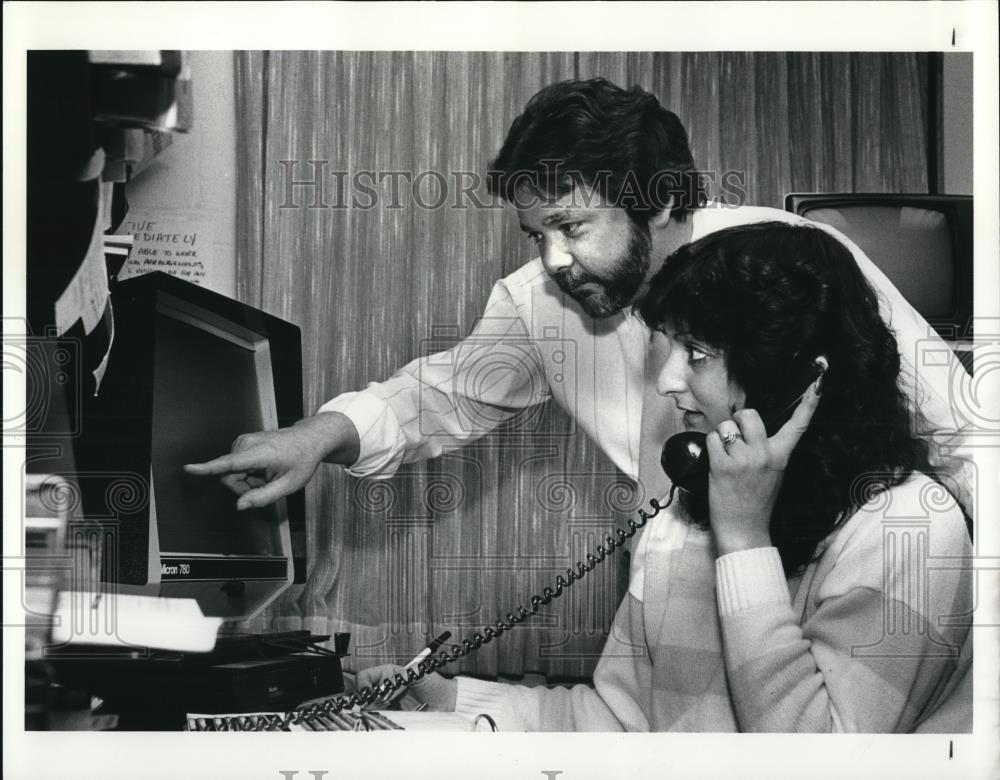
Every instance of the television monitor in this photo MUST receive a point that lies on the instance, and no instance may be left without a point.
(923, 243)
(188, 372)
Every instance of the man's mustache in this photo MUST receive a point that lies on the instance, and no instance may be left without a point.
(568, 282)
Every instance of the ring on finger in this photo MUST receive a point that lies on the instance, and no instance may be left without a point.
(731, 434)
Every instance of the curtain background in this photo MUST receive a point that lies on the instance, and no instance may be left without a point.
(456, 542)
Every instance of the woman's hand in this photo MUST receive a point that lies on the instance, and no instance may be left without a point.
(745, 473)
(437, 692)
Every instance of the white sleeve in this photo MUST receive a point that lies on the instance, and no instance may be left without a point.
(535, 708)
(442, 401)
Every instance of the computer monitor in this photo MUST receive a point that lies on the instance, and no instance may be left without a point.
(923, 243)
(189, 371)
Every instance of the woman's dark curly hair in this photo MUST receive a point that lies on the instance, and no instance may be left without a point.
(773, 296)
(620, 142)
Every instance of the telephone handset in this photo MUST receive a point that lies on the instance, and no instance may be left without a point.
(685, 458)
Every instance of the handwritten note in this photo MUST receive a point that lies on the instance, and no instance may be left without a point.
(175, 244)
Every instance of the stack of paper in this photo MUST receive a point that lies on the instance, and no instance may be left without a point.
(120, 620)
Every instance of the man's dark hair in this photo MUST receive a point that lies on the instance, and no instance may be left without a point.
(772, 297)
(619, 142)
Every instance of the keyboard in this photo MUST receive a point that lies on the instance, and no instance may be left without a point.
(354, 720)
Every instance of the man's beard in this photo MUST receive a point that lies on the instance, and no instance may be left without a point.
(614, 293)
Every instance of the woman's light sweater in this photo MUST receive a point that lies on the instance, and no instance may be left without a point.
(872, 637)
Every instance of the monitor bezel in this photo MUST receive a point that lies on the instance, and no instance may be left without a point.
(956, 325)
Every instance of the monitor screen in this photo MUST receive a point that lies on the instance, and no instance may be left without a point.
(912, 246)
(208, 391)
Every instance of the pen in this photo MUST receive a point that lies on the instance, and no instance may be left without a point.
(434, 645)
(415, 663)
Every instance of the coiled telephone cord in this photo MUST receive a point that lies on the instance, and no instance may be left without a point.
(380, 691)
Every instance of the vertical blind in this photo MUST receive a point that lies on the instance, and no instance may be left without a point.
(376, 272)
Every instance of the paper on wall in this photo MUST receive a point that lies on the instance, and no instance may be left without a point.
(86, 296)
(176, 243)
(103, 365)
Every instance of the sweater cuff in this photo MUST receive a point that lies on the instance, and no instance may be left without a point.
(750, 578)
(378, 432)
(476, 697)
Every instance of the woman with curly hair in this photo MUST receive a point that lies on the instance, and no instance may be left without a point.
(796, 592)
